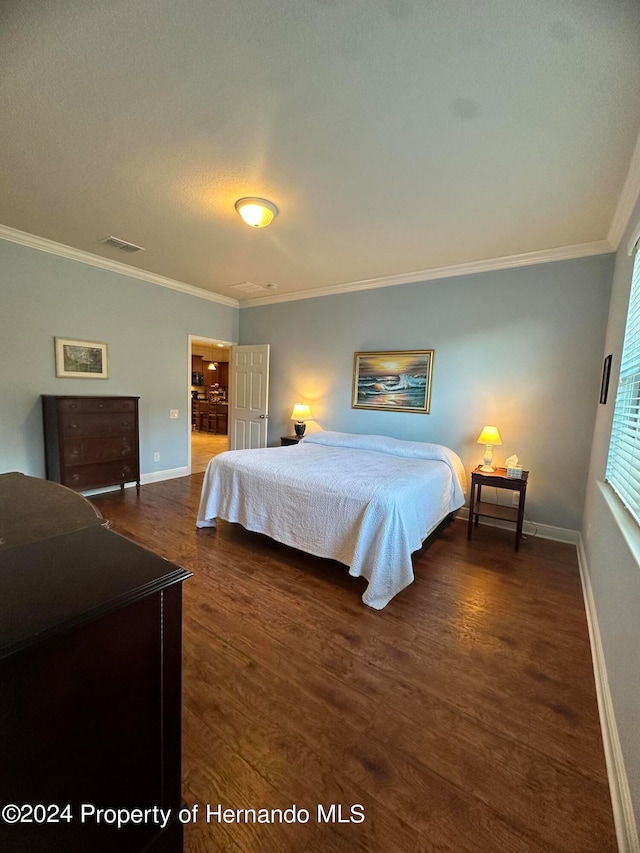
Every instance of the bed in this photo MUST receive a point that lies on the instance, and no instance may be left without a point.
(368, 501)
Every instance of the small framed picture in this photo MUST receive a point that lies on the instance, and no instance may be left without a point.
(81, 359)
(604, 385)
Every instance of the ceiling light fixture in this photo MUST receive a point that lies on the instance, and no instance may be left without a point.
(257, 212)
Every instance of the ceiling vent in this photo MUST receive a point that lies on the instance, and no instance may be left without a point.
(247, 287)
(117, 243)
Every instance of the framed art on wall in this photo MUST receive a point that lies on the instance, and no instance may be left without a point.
(398, 381)
(604, 384)
(81, 359)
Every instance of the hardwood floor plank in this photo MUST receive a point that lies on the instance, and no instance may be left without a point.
(204, 446)
(291, 764)
(499, 766)
(198, 835)
(299, 620)
(480, 753)
(223, 777)
(332, 757)
(463, 716)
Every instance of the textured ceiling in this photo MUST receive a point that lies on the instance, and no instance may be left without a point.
(393, 135)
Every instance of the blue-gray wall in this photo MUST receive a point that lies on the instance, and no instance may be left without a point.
(612, 558)
(145, 326)
(518, 348)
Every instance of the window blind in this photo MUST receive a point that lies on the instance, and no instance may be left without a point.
(623, 464)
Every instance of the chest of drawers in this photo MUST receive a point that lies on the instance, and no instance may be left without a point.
(90, 668)
(91, 442)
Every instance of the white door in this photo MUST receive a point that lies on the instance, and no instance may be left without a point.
(249, 404)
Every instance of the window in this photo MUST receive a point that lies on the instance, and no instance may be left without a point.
(623, 464)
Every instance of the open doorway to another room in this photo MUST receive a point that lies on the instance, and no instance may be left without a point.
(209, 400)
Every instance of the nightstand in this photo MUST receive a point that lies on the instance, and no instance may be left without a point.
(289, 439)
(497, 480)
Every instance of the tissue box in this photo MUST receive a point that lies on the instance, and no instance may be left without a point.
(514, 472)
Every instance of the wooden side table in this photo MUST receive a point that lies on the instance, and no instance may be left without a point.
(289, 439)
(498, 480)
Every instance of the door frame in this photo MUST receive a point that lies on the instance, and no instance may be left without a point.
(205, 340)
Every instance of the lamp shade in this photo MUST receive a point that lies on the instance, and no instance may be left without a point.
(301, 412)
(257, 212)
(490, 435)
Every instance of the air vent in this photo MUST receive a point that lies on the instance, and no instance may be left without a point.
(246, 287)
(117, 243)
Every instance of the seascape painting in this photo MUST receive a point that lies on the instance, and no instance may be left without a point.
(393, 381)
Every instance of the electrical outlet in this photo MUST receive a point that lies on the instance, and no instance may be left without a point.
(515, 498)
(156, 457)
(173, 413)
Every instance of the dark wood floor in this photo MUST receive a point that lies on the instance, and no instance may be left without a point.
(462, 717)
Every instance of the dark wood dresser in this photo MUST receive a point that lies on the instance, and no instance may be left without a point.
(90, 669)
(91, 442)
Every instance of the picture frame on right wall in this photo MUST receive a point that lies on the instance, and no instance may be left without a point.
(606, 373)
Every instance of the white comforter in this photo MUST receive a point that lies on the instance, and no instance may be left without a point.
(367, 501)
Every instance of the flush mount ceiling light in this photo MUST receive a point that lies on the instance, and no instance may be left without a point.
(257, 212)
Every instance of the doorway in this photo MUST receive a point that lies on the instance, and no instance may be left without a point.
(208, 400)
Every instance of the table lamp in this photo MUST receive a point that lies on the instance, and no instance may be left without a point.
(301, 413)
(489, 437)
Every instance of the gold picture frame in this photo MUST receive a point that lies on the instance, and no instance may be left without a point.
(81, 359)
(393, 380)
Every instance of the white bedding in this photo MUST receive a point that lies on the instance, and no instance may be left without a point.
(366, 501)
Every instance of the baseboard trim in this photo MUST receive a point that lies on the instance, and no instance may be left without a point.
(529, 528)
(145, 479)
(169, 474)
(623, 815)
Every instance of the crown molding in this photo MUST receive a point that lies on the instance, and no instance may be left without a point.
(53, 248)
(562, 253)
(627, 201)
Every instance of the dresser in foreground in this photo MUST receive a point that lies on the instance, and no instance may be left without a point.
(90, 672)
